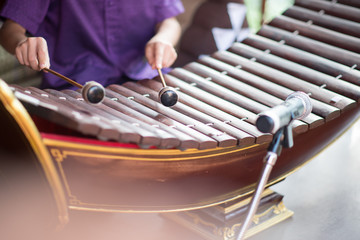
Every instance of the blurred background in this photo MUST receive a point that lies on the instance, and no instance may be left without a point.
(273, 8)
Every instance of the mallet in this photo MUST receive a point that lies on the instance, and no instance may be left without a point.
(167, 95)
(92, 92)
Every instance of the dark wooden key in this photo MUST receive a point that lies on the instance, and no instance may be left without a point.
(60, 114)
(233, 98)
(211, 105)
(334, 9)
(340, 55)
(122, 104)
(294, 69)
(234, 70)
(112, 131)
(189, 137)
(191, 117)
(318, 33)
(260, 95)
(327, 21)
(296, 84)
(149, 137)
(203, 112)
(221, 139)
(151, 108)
(339, 71)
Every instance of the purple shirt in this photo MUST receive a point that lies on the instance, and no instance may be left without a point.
(100, 40)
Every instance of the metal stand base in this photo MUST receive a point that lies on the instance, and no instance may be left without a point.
(223, 222)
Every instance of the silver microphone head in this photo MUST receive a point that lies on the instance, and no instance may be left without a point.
(306, 103)
(296, 106)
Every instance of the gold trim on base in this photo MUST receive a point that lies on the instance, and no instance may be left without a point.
(210, 229)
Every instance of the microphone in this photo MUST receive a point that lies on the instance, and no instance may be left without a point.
(296, 106)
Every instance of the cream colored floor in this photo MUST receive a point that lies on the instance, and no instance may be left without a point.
(325, 195)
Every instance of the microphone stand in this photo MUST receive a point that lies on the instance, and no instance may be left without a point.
(282, 138)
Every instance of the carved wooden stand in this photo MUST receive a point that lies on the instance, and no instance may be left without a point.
(223, 222)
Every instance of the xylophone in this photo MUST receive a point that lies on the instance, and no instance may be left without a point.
(131, 153)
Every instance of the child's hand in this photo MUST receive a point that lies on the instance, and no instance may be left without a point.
(160, 54)
(33, 52)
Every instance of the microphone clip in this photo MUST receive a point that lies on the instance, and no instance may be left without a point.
(282, 138)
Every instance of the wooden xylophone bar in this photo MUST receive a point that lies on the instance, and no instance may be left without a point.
(321, 19)
(303, 58)
(345, 9)
(278, 91)
(311, 48)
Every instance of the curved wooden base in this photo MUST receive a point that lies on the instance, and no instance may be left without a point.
(99, 177)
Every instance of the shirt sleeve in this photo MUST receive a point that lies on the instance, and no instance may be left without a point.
(29, 14)
(168, 8)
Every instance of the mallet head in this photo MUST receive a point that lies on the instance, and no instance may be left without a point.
(168, 96)
(93, 92)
